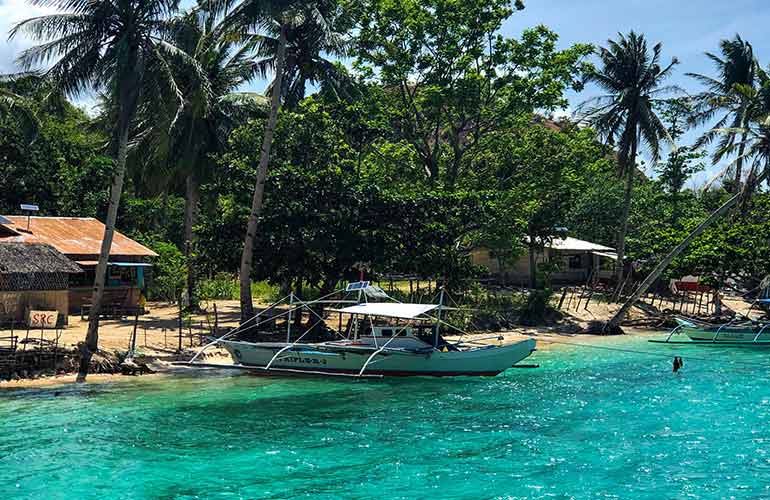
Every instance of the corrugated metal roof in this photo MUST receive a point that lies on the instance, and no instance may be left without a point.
(74, 236)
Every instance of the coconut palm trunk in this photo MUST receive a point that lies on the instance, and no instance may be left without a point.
(739, 160)
(127, 107)
(623, 231)
(614, 322)
(192, 196)
(247, 306)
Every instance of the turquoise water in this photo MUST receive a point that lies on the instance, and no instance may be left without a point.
(588, 424)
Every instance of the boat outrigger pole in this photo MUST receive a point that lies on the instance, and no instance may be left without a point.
(438, 316)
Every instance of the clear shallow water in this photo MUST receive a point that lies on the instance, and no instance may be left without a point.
(587, 424)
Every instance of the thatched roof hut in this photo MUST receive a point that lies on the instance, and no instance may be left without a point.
(25, 266)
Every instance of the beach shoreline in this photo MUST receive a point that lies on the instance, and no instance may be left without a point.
(548, 339)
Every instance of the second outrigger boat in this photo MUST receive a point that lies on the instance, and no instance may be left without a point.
(379, 339)
(737, 332)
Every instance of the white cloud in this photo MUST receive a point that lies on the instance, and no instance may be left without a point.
(12, 12)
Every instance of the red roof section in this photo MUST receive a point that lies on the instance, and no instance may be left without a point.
(73, 236)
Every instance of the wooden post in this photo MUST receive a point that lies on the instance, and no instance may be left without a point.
(563, 295)
(180, 326)
(132, 346)
(216, 320)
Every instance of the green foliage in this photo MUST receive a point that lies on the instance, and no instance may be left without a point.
(169, 272)
(221, 286)
(63, 170)
(451, 77)
(159, 218)
(537, 308)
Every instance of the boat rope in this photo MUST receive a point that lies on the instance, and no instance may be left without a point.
(653, 354)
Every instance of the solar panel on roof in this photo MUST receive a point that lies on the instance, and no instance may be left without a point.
(3, 220)
(357, 285)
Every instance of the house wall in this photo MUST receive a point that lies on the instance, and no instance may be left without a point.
(125, 296)
(517, 272)
(15, 304)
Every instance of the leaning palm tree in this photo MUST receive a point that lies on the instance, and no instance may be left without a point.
(632, 78)
(730, 95)
(108, 46)
(755, 147)
(315, 16)
(185, 142)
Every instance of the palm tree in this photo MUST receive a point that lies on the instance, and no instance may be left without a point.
(731, 93)
(185, 142)
(111, 46)
(315, 36)
(755, 147)
(312, 29)
(632, 78)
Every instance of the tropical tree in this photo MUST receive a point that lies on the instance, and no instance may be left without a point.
(729, 94)
(109, 46)
(452, 77)
(632, 78)
(308, 23)
(186, 140)
(18, 108)
(682, 161)
(316, 35)
(755, 145)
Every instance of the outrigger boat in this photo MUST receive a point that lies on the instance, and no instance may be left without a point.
(738, 332)
(379, 339)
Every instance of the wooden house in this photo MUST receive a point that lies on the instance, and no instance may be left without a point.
(80, 240)
(573, 261)
(33, 276)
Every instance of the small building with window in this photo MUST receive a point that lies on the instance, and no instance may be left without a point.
(79, 239)
(573, 262)
(33, 276)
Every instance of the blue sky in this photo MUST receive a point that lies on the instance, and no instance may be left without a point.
(686, 28)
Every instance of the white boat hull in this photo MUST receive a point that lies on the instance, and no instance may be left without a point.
(321, 358)
(725, 333)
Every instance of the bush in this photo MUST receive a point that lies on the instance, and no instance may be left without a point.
(221, 286)
(169, 272)
(225, 286)
(538, 305)
(263, 291)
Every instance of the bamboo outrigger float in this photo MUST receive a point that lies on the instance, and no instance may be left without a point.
(385, 338)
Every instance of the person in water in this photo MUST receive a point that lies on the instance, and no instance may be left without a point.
(678, 364)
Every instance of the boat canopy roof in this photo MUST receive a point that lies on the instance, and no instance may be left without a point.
(388, 309)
